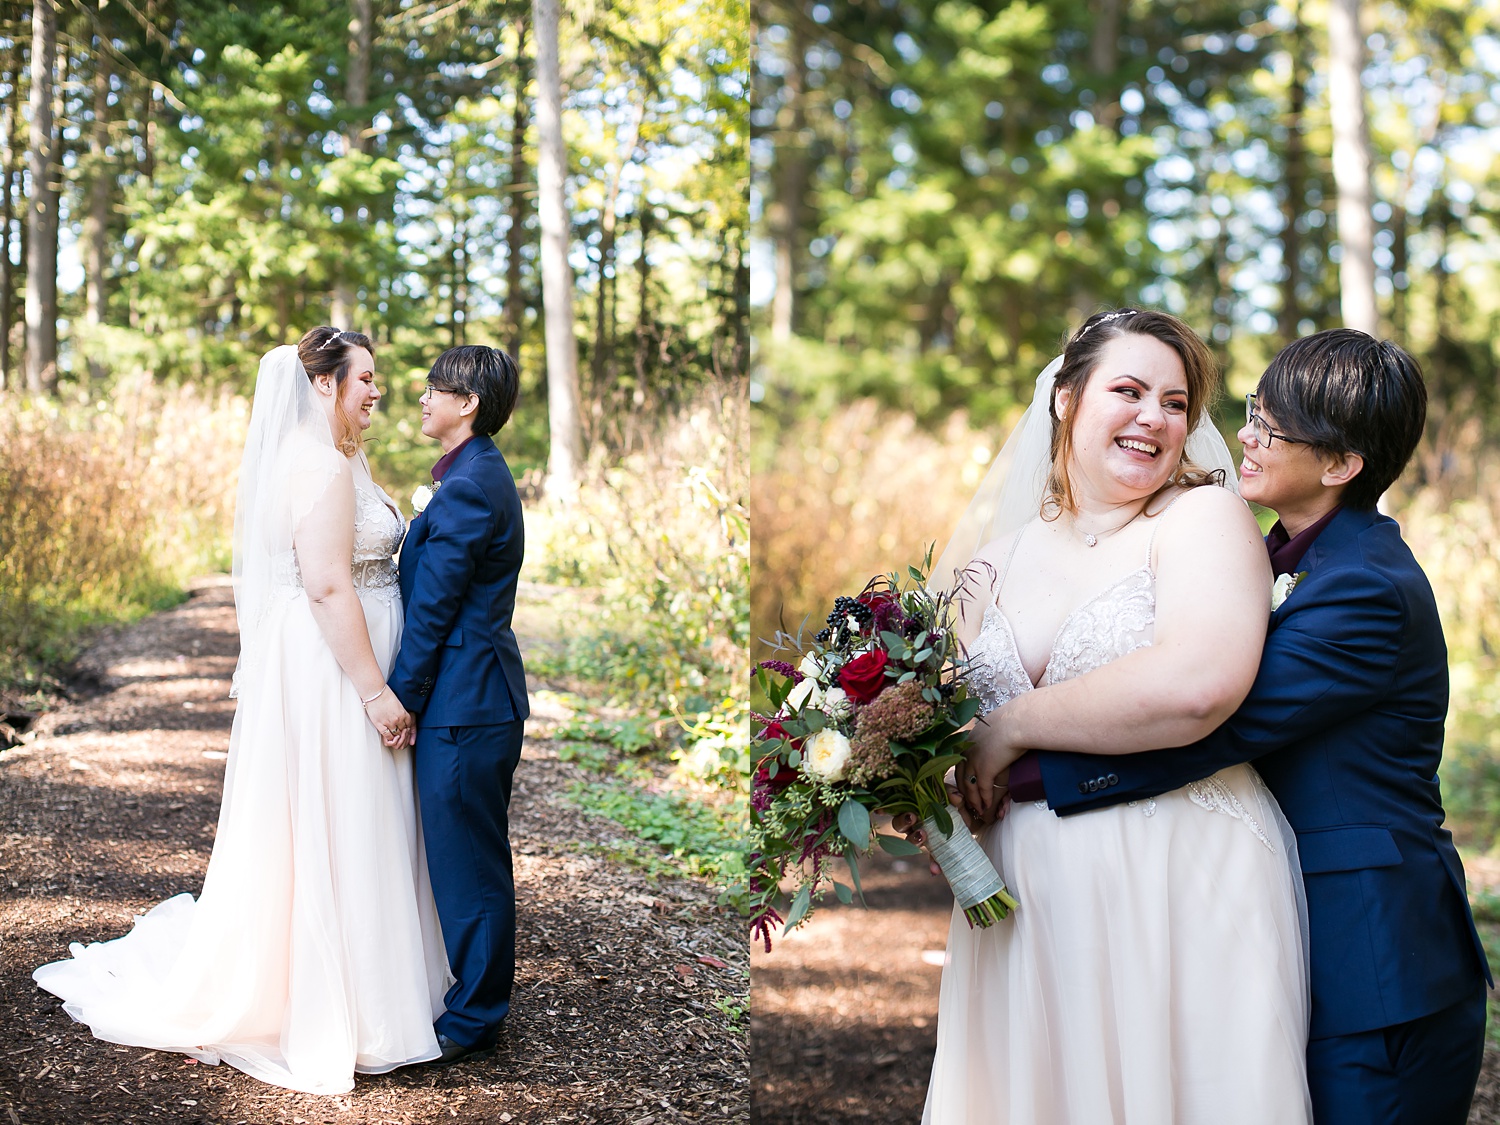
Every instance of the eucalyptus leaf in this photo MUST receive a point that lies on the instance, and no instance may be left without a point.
(853, 861)
(800, 906)
(854, 823)
(906, 676)
(898, 845)
(846, 896)
(815, 720)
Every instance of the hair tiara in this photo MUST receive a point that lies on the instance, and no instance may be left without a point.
(337, 334)
(1105, 319)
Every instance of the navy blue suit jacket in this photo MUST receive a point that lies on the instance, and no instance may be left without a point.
(1345, 724)
(459, 663)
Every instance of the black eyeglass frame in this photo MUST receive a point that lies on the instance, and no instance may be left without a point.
(429, 389)
(1264, 435)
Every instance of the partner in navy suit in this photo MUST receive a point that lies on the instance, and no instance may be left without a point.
(459, 672)
(1344, 723)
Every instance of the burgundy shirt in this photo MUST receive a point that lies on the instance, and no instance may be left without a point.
(445, 462)
(1286, 552)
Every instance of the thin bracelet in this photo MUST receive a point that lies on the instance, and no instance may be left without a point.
(373, 698)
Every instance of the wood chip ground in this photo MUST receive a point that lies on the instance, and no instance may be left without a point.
(844, 1009)
(109, 807)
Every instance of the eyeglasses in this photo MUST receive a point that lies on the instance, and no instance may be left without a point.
(1264, 435)
(430, 390)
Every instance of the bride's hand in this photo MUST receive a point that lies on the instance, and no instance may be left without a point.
(389, 718)
(982, 779)
(909, 826)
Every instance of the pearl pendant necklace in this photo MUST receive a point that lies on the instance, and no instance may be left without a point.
(1090, 539)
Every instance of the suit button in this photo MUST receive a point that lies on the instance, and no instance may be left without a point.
(1113, 779)
(1083, 787)
(1101, 783)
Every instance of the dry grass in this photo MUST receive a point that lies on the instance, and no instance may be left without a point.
(106, 508)
(859, 493)
(663, 536)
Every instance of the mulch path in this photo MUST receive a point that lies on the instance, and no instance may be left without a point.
(844, 1009)
(109, 806)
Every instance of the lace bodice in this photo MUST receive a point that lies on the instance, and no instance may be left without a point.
(378, 532)
(1114, 622)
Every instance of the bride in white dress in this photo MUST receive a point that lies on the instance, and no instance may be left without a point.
(313, 951)
(1154, 971)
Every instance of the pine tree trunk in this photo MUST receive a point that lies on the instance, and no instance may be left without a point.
(515, 238)
(41, 216)
(357, 97)
(604, 328)
(1351, 167)
(7, 209)
(566, 449)
(1295, 176)
(1104, 60)
(96, 226)
(793, 170)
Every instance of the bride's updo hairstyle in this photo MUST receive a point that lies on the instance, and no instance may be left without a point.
(326, 351)
(1080, 358)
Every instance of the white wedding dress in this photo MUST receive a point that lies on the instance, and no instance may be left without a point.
(314, 950)
(1154, 971)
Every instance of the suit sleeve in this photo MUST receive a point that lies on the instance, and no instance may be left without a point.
(461, 528)
(1331, 657)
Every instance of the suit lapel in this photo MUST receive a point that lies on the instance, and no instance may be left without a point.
(1340, 535)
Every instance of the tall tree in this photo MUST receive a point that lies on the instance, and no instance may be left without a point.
(564, 419)
(96, 225)
(9, 128)
(519, 186)
(356, 137)
(41, 217)
(1351, 167)
(1294, 177)
(604, 314)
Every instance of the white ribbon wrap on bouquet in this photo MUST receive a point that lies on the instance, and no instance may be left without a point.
(968, 870)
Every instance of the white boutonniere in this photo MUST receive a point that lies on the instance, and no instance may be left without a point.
(423, 496)
(1282, 588)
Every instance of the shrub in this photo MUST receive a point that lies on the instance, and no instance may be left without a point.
(663, 535)
(107, 505)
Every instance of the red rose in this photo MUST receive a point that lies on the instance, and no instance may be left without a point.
(864, 676)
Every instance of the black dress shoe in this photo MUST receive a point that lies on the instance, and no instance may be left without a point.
(455, 1052)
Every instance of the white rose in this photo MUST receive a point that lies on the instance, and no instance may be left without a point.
(826, 754)
(810, 668)
(836, 704)
(807, 692)
(1283, 586)
(420, 499)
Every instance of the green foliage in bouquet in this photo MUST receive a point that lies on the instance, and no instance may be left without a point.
(871, 717)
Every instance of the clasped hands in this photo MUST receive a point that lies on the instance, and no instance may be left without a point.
(397, 726)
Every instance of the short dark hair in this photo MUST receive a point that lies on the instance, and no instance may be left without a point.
(490, 373)
(1343, 391)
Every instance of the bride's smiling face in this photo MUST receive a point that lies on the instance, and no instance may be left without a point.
(360, 392)
(1130, 424)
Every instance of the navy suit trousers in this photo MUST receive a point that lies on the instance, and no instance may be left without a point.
(463, 784)
(1421, 1072)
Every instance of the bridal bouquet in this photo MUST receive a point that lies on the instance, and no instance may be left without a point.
(869, 716)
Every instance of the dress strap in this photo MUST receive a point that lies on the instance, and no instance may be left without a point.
(1009, 557)
(1156, 526)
